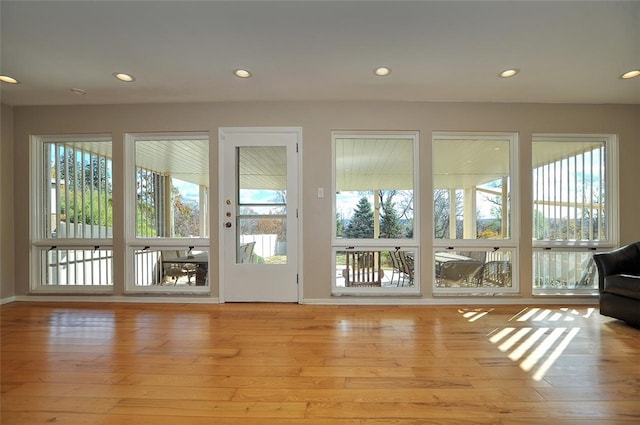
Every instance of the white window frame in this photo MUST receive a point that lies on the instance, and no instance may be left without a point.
(36, 229)
(611, 210)
(408, 244)
(134, 243)
(510, 244)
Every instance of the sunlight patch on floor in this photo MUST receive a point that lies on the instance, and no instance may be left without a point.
(534, 348)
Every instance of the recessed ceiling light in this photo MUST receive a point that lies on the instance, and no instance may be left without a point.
(7, 79)
(78, 91)
(383, 71)
(507, 73)
(241, 73)
(124, 77)
(631, 74)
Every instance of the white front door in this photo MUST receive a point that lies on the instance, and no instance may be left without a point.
(259, 214)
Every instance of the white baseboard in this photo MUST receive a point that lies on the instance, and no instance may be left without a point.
(310, 301)
(7, 300)
(119, 299)
(451, 301)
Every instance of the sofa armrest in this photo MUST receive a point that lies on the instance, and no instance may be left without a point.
(624, 285)
(624, 260)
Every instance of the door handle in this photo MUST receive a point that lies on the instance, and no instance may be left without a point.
(227, 224)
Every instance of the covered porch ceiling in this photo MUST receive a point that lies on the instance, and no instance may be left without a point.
(186, 160)
(361, 164)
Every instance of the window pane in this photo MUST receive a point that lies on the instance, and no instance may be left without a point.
(553, 270)
(76, 267)
(363, 267)
(473, 269)
(471, 188)
(171, 267)
(78, 189)
(569, 191)
(571, 206)
(172, 187)
(374, 187)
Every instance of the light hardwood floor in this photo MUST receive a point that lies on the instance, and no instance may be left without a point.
(284, 364)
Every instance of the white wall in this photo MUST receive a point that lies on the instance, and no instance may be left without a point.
(317, 119)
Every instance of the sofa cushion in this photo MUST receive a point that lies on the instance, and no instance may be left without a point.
(623, 284)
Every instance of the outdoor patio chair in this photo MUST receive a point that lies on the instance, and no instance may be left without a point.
(396, 267)
(245, 252)
(408, 267)
(363, 268)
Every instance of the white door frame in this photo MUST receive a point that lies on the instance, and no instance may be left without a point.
(222, 168)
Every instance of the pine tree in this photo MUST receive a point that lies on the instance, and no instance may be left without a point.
(361, 224)
(390, 226)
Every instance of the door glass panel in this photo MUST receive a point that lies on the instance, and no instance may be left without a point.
(262, 205)
(263, 196)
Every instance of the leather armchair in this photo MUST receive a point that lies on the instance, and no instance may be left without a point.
(619, 283)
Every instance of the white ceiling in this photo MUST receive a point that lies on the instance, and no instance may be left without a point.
(181, 51)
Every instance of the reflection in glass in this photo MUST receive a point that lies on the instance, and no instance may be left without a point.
(262, 205)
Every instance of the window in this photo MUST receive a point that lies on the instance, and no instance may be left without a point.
(574, 199)
(375, 236)
(473, 218)
(73, 216)
(168, 194)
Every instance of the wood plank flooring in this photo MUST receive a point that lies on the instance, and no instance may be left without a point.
(285, 364)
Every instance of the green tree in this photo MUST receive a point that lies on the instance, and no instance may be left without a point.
(361, 224)
(339, 225)
(390, 226)
(87, 208)
(147, 209)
